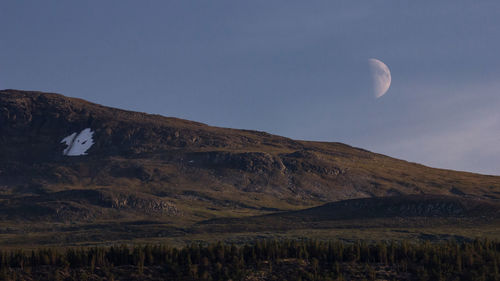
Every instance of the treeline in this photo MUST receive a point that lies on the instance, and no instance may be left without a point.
(267, 259)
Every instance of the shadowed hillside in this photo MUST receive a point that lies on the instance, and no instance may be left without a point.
(377, 212)
(132, 167)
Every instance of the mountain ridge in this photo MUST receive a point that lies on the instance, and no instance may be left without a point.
(181, 172)
(32, 115)
(152, 117)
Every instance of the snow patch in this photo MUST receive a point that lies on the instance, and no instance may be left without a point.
(78, 144)
(68, 141)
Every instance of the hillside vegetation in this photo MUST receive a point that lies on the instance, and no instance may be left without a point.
(146, 176)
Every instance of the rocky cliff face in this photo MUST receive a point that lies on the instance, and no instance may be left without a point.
(169, 159)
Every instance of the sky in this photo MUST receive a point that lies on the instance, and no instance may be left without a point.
(293, 68)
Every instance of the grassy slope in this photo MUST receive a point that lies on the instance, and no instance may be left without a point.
(234, 173)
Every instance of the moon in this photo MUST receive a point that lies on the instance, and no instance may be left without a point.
(381, 77)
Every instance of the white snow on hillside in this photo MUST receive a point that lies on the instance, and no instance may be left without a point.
(78, 144)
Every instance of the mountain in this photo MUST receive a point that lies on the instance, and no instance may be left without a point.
(66, 161)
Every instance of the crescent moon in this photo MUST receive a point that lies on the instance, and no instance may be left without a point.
(381, 77)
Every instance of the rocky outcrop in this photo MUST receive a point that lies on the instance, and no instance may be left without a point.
(85, 205)
(254, 162)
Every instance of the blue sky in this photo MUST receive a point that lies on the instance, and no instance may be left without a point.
(293, 68)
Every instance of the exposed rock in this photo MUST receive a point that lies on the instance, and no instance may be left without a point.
(84, 205)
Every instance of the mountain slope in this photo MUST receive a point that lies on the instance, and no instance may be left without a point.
(71, 161)
(34, 124)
